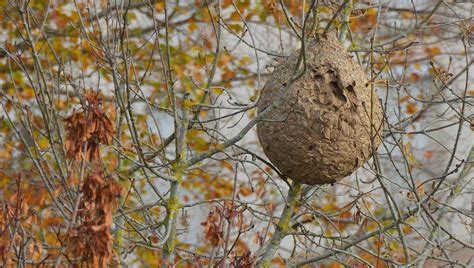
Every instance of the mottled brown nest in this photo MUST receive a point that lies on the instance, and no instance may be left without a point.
(329, 123)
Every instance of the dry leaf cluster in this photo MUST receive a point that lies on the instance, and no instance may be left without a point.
(14, 213)
(86, 130)
(216, 227)
(244, 261)
(213, 228)
(91, 239)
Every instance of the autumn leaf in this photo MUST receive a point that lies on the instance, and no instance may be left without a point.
(86, 130)
(433, 51)
(160, 6)
(245, 191)
(212, 228)
(227, 165)
(428, 154)
(28, 93)
(414, 77)
(411, 108)
(91, 239)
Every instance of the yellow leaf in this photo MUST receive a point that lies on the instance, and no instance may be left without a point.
(253, 98)
(160, 6)
(51, 239)
(245, 60)
(234, 16)
(192, 26)
(11, 92)
(329, 207)
(189, 103)
(43, 143)
(372, 226)
(407, 14)
(393, 245)
(327, 232)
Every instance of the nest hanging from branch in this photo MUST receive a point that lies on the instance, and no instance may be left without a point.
(330, 121)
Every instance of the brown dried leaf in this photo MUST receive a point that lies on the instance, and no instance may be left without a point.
(91, 240)
(91, 126)
(212, 228)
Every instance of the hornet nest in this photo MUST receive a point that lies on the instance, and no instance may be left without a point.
(329, 123)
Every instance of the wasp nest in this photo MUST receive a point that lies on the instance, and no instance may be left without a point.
(329, 122)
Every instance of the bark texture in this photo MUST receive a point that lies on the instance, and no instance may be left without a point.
(330, 121)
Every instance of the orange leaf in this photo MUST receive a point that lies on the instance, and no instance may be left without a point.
(28, 93)
(428, 154)
(345, 215)
(414, 77)
(372, 15)
(278, 261)
(407, 229)
(160, 6)
(227, 165)
(433, 51)
(8, 106)
(245, 191)
(234, 16)
(335, 265)
(228, 75)
(404, 99)
(412, 108)
(192, 26)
